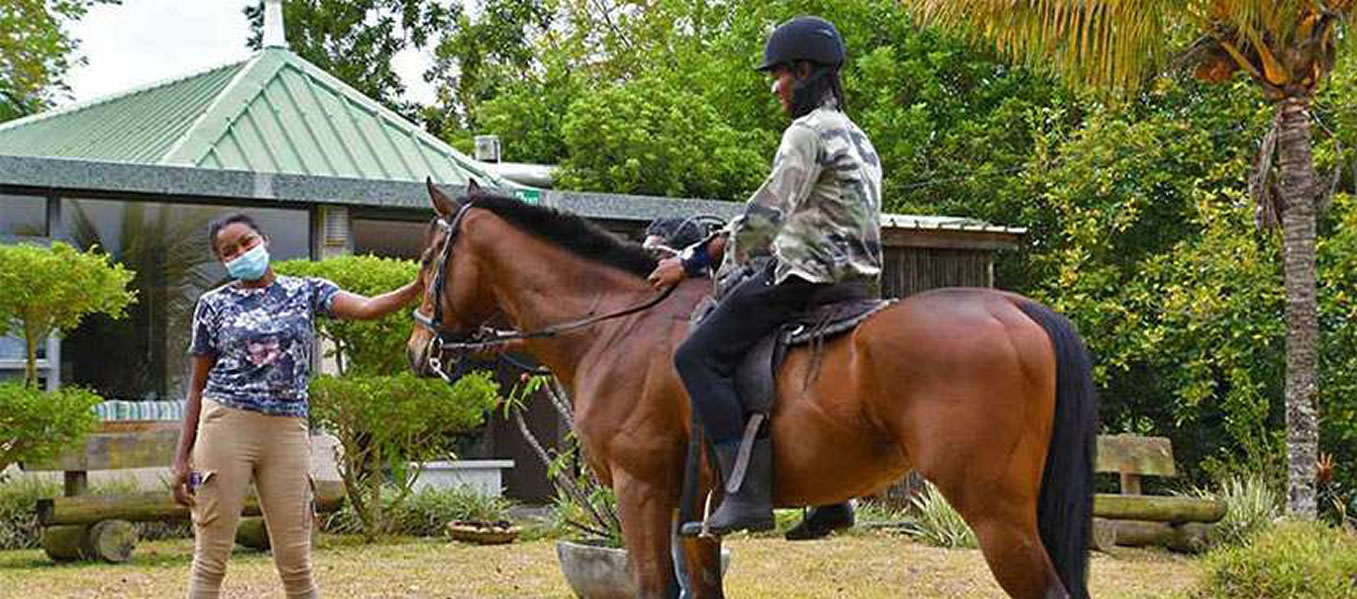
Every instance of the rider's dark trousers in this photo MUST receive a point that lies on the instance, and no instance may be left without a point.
(707, 360)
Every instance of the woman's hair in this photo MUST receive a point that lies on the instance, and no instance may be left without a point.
(809, 93)
(225, 221)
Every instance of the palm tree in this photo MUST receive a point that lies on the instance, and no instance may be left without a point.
(1286, 47)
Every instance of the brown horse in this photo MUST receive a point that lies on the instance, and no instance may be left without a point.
(985, 393)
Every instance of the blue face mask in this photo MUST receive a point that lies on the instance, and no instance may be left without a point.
(250, 266)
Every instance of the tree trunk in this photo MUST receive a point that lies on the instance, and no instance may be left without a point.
(30, 359)
(1297, 192)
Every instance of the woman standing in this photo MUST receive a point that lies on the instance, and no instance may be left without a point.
(246, 415)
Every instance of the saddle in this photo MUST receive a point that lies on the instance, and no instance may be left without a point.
(833, 311)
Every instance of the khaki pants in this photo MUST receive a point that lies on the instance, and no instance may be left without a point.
(233, 447)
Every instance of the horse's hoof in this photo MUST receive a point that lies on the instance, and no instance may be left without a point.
(821, 521)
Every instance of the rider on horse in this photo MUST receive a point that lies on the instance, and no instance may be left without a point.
(813, 224)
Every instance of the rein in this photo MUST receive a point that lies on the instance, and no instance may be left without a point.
(486, 338)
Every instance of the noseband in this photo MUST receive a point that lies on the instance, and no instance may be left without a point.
(487, 339)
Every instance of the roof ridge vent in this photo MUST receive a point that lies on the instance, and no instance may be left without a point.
(275, 33)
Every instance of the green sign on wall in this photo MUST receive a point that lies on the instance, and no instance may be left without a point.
(531, 196)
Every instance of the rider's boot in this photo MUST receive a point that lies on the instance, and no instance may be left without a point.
(751, 506)
(822, 520)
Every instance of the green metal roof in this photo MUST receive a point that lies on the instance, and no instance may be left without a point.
(272, 113)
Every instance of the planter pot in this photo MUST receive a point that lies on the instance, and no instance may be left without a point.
(484, 477)
(597, 572)
(483, 533)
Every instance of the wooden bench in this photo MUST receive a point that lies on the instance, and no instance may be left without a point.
(1131, 518)
(82, 526)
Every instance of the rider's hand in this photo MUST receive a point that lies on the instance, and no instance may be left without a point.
(667, 273)
(182, 495)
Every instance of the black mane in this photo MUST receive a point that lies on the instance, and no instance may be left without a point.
(569, 231)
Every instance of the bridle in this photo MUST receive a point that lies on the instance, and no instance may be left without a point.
(485, 338)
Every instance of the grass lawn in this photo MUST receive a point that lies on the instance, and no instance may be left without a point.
(862, 564)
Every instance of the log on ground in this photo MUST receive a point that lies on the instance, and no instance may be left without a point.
(253, 533)
(1186, 537)
(154, 507)
(110, 540)
(1157, 508)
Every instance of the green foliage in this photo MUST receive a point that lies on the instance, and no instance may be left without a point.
(937, 523)
(1252, 506)
(42, 289)
(19, 527)
(363, 347)
(37, 425)
(664, 99)
(1293, 560)
(36, 51)
(651, 137)
(425, 512)
(385, 424)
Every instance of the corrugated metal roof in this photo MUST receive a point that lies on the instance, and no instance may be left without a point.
(139, 125)
(946, 223)
(273, 113)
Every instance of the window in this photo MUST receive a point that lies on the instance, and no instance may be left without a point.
(389, 238)
(23, 216)
(144, 355)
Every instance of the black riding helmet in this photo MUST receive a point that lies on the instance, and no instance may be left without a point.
(804, 38)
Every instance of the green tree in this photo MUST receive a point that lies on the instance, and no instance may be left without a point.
(1286, 47)
(36, 426)
(355, 40)
(36, 51)
(44, 289)
(650, 137)
(483, 55)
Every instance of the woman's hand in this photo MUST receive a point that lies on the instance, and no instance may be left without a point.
(183, 495)
(667, 273)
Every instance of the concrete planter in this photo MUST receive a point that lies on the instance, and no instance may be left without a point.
(481, 476)
(597, 572)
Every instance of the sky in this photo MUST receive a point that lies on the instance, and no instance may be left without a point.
(143, 41)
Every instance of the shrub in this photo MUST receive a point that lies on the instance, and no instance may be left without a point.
(362, 346)
(424, 512)
(19, 511)
(1291, 560)
(1251, 506)
(937, 523)
(384, 424)
(582, 504)
(37, 425)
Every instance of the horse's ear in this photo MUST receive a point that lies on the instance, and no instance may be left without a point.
(472, 187)
(442, 204)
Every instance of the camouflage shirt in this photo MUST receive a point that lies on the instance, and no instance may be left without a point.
(262, 339)
(819, 212)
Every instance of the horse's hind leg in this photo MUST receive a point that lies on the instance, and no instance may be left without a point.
(1004, 518)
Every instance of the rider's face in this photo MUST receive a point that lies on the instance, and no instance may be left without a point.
(784, 79)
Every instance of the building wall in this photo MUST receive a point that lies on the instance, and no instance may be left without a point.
(909, 270)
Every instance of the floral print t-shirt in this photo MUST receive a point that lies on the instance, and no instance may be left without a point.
(262, 338)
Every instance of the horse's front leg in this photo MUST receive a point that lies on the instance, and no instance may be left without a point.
(647, 511)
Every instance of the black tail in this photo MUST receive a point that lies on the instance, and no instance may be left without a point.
(1065, 509)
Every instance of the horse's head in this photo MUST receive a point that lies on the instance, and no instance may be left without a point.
(455, 301)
